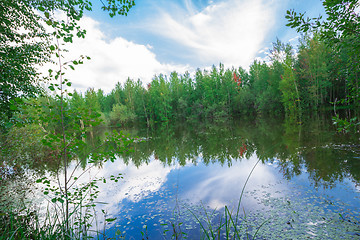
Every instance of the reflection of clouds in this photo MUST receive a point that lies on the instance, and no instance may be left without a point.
(136, 184)
(214, 185)
(222, 185)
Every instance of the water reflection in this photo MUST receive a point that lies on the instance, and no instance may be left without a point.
(313, 147)
(138, 183)
(152, 194)
(217, 186)
(307, 174)
(149, 194)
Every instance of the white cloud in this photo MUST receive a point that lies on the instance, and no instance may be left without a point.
(112, 60)
(231, 32)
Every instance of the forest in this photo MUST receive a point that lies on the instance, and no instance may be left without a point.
(320, 73)
(294, 83)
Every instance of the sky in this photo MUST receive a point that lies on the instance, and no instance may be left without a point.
(159, 37)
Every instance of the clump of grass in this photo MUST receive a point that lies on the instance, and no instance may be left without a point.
(24, 224)
(31, 224)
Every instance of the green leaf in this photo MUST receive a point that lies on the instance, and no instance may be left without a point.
(110, 219)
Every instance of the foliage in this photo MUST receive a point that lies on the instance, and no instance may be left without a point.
(341, 23)
(23, 147)
(121, 114)
(313, 72)
(25, 44)
(21, 224)
(63, 126)
(346, 126)
(340, 31)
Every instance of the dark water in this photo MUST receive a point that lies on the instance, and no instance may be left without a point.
(306, 184)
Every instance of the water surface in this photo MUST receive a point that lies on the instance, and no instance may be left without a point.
(306, 183)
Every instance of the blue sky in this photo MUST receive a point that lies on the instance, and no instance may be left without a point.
(181, 35)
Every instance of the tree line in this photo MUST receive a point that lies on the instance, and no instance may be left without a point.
(292, 83)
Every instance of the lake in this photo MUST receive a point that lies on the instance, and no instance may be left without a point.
(303, 181)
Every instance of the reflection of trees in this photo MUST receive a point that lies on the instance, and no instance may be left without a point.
(22, 149)
(327, 156)
(325, 162)
(214, 143)
(311, 146)
(15, 188)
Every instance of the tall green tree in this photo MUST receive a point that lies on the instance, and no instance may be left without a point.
(260, 77)
(160, 101)
(282, 56)
(313, 72)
